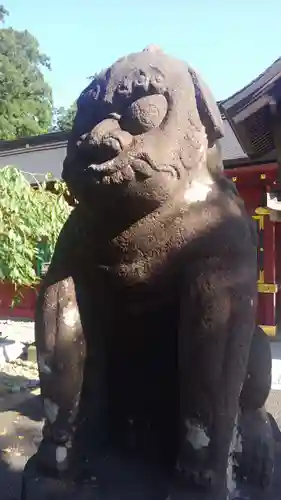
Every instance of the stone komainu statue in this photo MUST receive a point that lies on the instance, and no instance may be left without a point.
(145, 323)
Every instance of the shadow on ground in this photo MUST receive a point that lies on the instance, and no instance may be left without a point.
(31, 408)
(20, 434)
(10, 480)
(25, 402)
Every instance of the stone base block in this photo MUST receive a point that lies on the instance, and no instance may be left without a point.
(115, 478)
(36, 486)
(122, 480)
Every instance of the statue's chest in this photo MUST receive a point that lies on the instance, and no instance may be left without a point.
(141, 264)
(146, 251)
(141, 278)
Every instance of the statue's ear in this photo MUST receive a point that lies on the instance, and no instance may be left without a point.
(208, 109)
(214, 159)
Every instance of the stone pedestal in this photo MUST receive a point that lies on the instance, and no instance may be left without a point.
(119, 479)
(36, 486)
(116, 478)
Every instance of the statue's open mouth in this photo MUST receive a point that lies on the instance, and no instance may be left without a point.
(117, 172)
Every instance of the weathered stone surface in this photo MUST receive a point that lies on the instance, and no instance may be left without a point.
(145, 322)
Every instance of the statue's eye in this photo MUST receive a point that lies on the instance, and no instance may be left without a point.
(90, 94)
(144, 114)
(157, 84)
(124, 88)
(94, 92)
(141, 83)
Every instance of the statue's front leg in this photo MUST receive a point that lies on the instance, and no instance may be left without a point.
(214, 339)
(61, 354)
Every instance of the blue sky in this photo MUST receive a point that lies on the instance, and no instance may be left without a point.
(229, 42)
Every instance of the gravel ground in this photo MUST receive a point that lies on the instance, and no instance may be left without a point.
(18, 376)
(20, 408)
(17, 337)
(21, 331)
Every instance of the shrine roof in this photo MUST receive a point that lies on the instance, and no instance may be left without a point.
(249, 113)
(235, 148)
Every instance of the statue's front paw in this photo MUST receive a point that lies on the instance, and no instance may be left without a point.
(257, 465)
(197, 483)
(199, 477)
(184, 492)
(256, 458)
(52, 458)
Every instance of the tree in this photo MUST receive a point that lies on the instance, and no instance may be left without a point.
(3, 13)
(63, 118)
(25, 97)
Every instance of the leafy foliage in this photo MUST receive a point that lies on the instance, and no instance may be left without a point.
(63, 118)
(25, 97)
(3, 13)
(28, 217)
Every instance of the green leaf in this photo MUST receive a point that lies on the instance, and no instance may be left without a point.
(26, 216)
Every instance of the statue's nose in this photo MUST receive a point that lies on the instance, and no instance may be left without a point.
(105, 141)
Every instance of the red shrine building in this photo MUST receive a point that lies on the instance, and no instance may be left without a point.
(254, 115)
